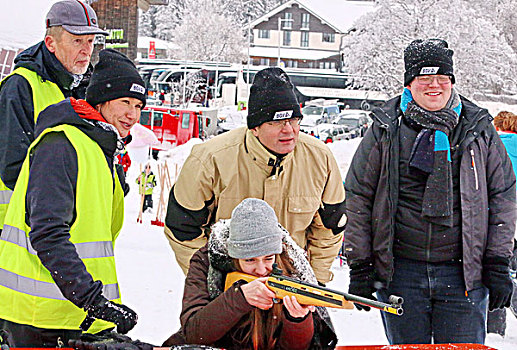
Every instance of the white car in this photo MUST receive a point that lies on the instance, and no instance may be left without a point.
(356, 121)
(330, 132)
(320, 114)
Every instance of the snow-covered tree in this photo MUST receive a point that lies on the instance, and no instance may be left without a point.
(243, 10)
(206, 34)
(147, 22)
(160, 21)
(482, 56)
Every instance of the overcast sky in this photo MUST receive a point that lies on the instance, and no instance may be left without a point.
(22, 22)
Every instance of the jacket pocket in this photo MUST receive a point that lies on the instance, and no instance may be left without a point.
(303, 205)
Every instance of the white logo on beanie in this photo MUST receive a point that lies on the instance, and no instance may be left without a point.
(137, 88)
(429, 70)
(283, 115)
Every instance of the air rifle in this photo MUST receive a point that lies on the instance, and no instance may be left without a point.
(311, 294)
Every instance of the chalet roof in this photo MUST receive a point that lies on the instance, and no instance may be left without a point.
(339, 14)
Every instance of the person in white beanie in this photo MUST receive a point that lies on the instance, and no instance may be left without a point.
(244, 316)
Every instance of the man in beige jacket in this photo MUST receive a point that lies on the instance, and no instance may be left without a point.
(294, 173)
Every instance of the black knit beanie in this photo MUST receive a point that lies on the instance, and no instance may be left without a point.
(427, 57)
(271, 98)
(114, 76)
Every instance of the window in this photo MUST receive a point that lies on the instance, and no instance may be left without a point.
(264, 61)
(305, 20)
(288, 23)
(327, 65)
(287, 38)
(145, 118)
(263, 34)
(328, 37)
(185, 120)
(304, 39)
(157, 119)
(292, 64)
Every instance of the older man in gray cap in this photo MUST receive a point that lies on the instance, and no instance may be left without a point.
(46, 73)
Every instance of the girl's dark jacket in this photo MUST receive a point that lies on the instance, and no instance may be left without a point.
(211, 316)
(487, 190)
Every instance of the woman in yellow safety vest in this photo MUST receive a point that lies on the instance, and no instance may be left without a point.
(57, 265)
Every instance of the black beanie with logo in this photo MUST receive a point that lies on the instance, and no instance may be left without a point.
(271, 98)
(427, 57)
(113, 77)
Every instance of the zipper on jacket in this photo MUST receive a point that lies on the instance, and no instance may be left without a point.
(428, 247)
(474, 167)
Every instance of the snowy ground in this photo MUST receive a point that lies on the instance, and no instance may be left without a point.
(152, 283)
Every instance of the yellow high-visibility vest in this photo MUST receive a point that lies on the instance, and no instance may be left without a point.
(28, 293)
(44, 94)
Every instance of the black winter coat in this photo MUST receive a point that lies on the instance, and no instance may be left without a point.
(487, 187)
(17, 109)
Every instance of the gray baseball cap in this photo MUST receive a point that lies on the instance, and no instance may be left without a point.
(75, 16)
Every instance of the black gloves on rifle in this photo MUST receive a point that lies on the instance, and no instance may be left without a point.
(108, 341)
(121, 315)
(362, 279)
(496, 277)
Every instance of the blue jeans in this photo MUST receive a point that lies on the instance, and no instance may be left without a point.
(436, 307)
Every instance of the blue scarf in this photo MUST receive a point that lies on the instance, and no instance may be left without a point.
(431, 153)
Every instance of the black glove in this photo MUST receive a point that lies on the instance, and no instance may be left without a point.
(108, 341)
(120, 314)
(362, 279)
(496, 277)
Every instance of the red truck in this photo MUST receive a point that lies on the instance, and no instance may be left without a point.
(174, 127)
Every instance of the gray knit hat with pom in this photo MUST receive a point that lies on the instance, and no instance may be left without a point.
(254, 230)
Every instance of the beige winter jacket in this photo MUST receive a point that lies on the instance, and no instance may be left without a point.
(234, 166)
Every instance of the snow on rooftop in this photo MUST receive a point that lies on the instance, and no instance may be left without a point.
(340, 13)
(143, 42)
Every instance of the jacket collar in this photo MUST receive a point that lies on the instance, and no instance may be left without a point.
(40, 60)
(263, 157)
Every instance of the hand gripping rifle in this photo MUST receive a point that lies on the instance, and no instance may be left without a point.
(310, 294)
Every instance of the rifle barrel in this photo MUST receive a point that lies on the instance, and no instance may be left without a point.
(394, 308)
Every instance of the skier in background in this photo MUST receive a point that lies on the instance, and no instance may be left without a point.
(146, 182)
(44, 74)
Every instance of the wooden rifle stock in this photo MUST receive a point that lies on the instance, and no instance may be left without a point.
(311, 294)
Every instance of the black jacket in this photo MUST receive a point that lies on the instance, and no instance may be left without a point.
(50, 199)
(17, 109)
(487, 190)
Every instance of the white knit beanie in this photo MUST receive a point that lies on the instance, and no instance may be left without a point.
(254, 230)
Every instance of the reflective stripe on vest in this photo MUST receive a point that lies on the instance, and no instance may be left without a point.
(47, 290)
(5, 196)
(44, 94)
(86, 250)
(28, 292)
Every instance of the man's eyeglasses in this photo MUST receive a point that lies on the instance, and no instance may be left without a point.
(428, 79)
(294, 122)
